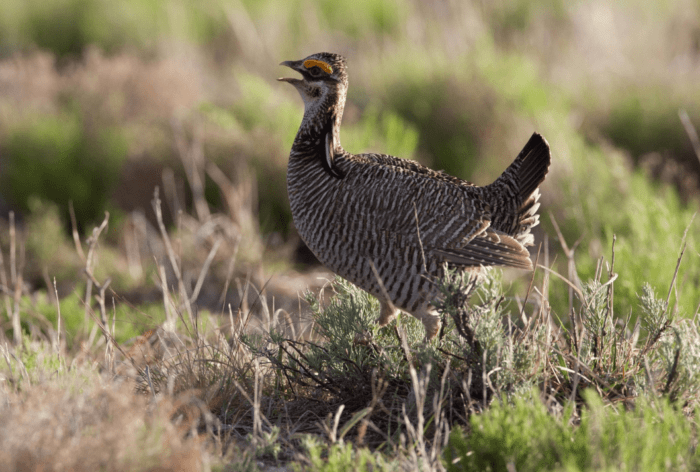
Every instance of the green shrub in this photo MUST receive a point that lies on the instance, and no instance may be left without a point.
(363, 17)
(58, 26)
(381, 132)
(447, 119)
(67, 27)
(524, 436)
(605, 200)
(61, 159)
(47, 243)
(345, 323)
(643, 121)
(341, 457)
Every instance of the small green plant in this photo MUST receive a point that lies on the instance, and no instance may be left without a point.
(267, 444)
(525, 436)
(33, 362)
(351, 335)
(341, 457)
(679, 357)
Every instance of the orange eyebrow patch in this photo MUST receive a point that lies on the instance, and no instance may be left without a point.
(309, 63)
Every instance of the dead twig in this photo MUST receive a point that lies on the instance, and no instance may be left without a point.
(90, 261)
(157, 207)
(690, 131)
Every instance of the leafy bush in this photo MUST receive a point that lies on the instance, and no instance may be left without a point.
(341, 457)
(644, 121)
(347, 325)
(381, 132)
(67, 27)
(524, 436)
(61, 159)
(606, 200)
(58, 258)
(437, 113)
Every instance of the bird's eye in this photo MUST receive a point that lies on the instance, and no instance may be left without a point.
(315, 72)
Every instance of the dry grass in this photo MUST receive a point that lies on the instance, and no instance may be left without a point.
(82, 422)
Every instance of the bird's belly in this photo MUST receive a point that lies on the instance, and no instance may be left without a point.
(380, 263)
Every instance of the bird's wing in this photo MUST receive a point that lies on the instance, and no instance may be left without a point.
(444, 214)
(489, 248)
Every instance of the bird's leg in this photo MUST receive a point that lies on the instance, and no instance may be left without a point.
(431, 321)
(387, 312)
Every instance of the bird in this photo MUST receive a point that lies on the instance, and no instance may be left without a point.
(390, 225)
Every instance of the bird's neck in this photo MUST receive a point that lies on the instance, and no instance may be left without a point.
(319, 116)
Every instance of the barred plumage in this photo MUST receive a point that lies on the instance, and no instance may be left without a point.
(387, 224)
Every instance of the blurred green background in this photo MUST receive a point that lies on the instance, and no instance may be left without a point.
(93, 92)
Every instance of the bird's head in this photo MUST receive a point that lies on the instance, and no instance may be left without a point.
(323, 77)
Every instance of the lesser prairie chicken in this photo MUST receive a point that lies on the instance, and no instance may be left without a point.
(375, 217)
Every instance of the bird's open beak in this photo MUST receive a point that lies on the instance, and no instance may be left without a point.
(295, 65)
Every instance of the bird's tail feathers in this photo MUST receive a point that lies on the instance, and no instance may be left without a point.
(522, 179)
(531, 166)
